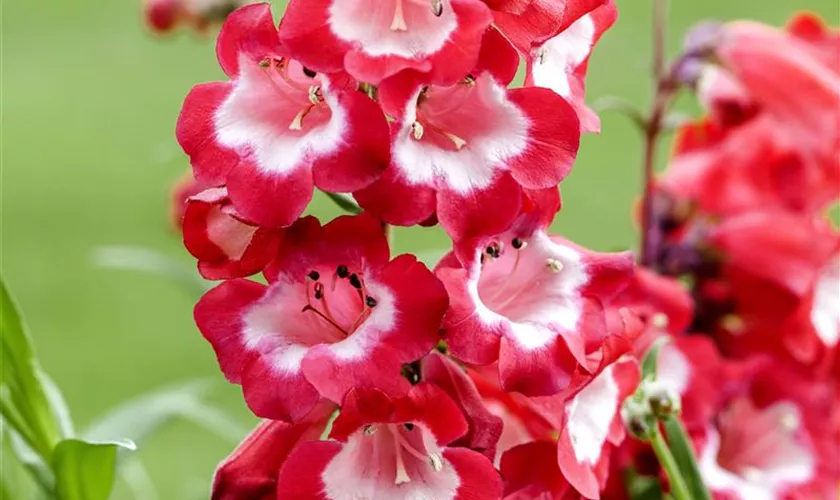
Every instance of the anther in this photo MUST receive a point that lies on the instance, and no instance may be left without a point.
(319, 291)
(469, 80)
(518, 243)
(314, 275)
(554, 265)
(494, 250)
(355, 281)
(315, 96)
(370, 301)
(417, 130)
(437, 7)
(342, 271)
(408, 426)
(308, 72)
(435, 462)
(265, 63)
(369, 430)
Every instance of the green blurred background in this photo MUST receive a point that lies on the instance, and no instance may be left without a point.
(89, 101)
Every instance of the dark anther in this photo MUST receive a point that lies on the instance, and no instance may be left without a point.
(517, 243)
(408, 426)
(355, 281)
(308, 72)
(482, 258)
(314, 275)
(370, 301)
(437, 7)
(493, 250)
(319, 291)
(342, 271)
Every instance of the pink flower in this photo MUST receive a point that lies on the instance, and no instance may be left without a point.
(757, 454)
(589, 425)
(529, 23)
(533, 302)
(466, 152)
(375, 39)
(225, 245)
(251, 470)
(391, 448)
(560, 62)
(277, 129)
(485, 428)
(336, 314)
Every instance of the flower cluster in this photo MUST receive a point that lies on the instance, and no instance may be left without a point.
(501, 372)
(378, 377)
(742, 215)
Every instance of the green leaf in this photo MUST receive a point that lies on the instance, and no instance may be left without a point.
(24, 402)
(85, 470)
(683, 454)
(620, 106)
(344, 202)
(141, 416)
(37, 468)
(149, 261)
(651, 358)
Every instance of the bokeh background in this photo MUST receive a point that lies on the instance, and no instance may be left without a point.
(89, 102)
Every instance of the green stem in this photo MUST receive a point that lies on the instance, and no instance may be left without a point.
(345, 202)
(678, 487)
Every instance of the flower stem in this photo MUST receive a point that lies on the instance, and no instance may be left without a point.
(679, 490)
(664, 91)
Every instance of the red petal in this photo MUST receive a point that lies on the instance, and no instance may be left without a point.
(553, 138)
(270, 200)
(196, 133)
(248, 31)
(219, 316)
(300, 476)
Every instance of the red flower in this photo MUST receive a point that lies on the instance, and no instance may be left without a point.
(533, 302)
(277, 129)
(529, 23)
(226, 245)
(391, 448)
(560, 62)
(251, 470)
(375, 39)
(466, 152)
(336, 314)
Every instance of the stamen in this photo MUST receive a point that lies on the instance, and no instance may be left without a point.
(554, 265)
(342, 271)
(370, 301)
(518, 244)
(324, 317)
(402, 475)
(315, 95)
(437, 7)
(457, 141)
(435, 462)
(398, 23)
(308, 72)
(319, 291)
(355, 282)
(469, 80)
(417, 130)
(408, 426)
(541, 56)
(494, 250)
(297, 123)
(265, 63)
(314, 275)
(369, 429)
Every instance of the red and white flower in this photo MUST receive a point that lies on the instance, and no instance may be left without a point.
(277, 129)
(226, 245)
(560, 63)
(466, 152)
(533, 302)
(375, 39)
(336, 314)
(394, 448)
(251, 470)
